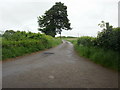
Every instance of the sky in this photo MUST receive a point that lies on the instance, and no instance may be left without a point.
(84, 15)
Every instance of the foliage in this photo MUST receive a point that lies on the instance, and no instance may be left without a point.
(54, 20)
(20, 43)
(107, 58)
(103, 49)
(21, 35)
(86, 41)
(109, 39)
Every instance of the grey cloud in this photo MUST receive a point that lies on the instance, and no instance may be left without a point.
(84, 15)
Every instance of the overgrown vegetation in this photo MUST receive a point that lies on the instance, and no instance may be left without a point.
(103, 49)
(20, 42)
(107, 58)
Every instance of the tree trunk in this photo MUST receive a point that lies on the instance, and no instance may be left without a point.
(60, 35)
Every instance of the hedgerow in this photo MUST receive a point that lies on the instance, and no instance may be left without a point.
(19, 43)
(103, 49)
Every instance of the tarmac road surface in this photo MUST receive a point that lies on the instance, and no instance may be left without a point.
(59, 67)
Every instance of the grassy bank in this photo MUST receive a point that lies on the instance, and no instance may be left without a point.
(103, 49)
(13, 48)
(106, 58)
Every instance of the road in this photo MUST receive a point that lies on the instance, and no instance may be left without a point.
(58, 67)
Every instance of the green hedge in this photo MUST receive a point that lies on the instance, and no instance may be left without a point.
(109, 39)
(12, 47)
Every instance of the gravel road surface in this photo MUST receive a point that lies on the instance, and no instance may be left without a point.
(59, 67)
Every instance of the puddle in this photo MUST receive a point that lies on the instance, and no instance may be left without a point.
(48, 53)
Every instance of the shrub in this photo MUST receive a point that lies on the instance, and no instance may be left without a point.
(86, 41)
(109, 39)
(20, 43)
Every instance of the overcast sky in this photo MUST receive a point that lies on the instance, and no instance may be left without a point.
(84, 15)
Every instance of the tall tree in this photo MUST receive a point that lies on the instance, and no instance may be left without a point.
(54, 20)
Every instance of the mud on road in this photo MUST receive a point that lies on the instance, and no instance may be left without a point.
(59, 67)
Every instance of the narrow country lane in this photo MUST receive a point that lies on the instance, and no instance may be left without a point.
(59, 67)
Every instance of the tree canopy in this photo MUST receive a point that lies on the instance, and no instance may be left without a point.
(54, 20)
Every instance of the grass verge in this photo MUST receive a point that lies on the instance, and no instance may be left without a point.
(106, 58)
(11, 49)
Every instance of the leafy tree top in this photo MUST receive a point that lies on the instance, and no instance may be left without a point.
(54, 20)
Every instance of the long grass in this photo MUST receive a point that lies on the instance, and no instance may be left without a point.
(106, 58)
(11, 49)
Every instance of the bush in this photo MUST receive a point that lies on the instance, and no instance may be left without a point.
(20, 43)
(104, 49)
(109, 39)
(86, 41)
